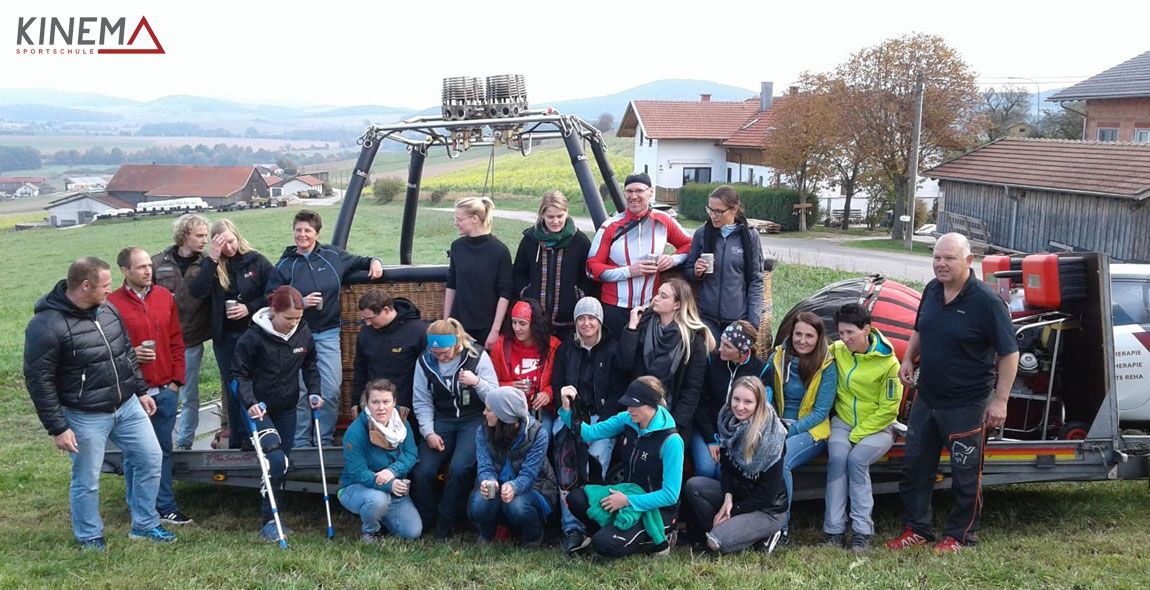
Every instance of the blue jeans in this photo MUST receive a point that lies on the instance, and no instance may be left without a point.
(525, 512)
(162, 422)
(190, 396)
(800, 449)
(705, 466)
(330, 377)
(224, 349)
(458, 436)
(378, 508)
(601, 450)
(129, 428)
(276, 449)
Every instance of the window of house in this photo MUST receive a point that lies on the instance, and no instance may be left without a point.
(1107, 134)
(645, 169)
(640, 136)
(649, 142)
(1142, 135)
(699, 175)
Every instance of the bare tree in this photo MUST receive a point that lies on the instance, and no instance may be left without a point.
(1004, 107)
(605, 122)
(1065, 122)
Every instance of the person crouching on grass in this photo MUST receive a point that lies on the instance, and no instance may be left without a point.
(637, 515)
(749, 505)
(266, 369)
(515, 482)
(378, 452)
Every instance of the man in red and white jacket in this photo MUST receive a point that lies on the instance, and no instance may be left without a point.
(627, 253)
(149, 313)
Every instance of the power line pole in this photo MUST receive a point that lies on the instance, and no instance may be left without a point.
(912, 184)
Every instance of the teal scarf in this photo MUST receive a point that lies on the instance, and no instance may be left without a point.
(557, 241)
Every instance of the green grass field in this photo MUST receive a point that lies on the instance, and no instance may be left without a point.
(1063, 536)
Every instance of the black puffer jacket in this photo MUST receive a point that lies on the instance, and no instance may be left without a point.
(578, 367)
(78, 358)
(266, 367)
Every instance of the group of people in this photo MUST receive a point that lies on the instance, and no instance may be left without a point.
(574, 385)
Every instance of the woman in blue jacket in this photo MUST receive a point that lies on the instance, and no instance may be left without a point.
(647, 499)
(319, 272)
(378, 453)
(515, 483)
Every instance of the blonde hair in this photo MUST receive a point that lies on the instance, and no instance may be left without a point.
(758, 418)
(451, 327)
(183, 226)
(654, 383)
(554, 199)
(481, 207)
(687, 318)
(242, 247)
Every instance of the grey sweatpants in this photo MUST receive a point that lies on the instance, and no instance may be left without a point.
(705, 496)
(848, 474)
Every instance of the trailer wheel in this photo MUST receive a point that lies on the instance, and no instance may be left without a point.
(1074, 431)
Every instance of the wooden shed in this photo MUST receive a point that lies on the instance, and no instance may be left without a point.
(1041, 195)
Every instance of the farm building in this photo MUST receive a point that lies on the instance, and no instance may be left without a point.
(1041, 195)
(9, 184)
(679, 142)
(79, 208)
(216, 185)
(84, 184)
(27, 191)
(299, 184)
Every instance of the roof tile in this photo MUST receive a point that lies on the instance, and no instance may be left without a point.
(180, 181)
(1128, 79)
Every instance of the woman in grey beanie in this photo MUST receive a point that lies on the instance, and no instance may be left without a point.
(515, 484)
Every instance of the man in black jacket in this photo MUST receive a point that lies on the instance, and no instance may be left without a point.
(388, 346)
(82, 374)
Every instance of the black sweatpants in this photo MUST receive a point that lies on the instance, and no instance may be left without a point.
(610, 541)
(931, 430)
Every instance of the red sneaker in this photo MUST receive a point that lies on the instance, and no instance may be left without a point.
(906, 540)
(947, 546)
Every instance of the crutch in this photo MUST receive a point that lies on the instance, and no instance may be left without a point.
(263, 460)
(314, 400)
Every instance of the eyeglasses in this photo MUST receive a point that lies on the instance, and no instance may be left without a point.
(636, 191)
(716, 212)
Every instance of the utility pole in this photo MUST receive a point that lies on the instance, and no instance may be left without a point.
(912, 183)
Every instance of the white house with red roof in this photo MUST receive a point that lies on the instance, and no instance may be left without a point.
(678, 142)
(300, 184)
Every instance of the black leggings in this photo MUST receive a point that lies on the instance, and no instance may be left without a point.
(610, 541)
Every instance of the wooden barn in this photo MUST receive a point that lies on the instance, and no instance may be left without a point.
(1040, 195)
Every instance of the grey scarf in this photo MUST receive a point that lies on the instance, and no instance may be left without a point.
(733, 434)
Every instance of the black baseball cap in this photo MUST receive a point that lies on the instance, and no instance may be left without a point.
(640, 394)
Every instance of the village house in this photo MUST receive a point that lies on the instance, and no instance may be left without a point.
(216, 185)
(9, 184)
(1117, 101)
(80, 208)
(302, 184)
(680, 142)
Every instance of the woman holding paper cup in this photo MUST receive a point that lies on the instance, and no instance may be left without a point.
(234, 277)
(725, 261)
(378, 452)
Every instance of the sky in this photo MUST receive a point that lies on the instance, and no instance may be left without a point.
(395, 53)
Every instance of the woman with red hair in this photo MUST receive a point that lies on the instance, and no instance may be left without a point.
(265, 378)
(523, 356)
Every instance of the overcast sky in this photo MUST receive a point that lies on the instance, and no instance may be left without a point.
(395, 52)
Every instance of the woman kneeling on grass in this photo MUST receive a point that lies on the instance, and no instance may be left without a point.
(265, 378)
(749, 506)
(515, 482)
(637, 515)
(378, 452)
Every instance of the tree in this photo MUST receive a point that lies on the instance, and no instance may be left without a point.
(799, 143)
(386, 189)
(1063, 123)
(19, 158)
(1002, 108)
(605, 122)
(881, 82)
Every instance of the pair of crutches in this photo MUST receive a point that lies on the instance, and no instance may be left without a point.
(265, 473)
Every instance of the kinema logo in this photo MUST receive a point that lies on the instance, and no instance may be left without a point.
(85, 35)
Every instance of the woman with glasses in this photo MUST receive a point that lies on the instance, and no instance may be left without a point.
(449, 392)
(726, 263)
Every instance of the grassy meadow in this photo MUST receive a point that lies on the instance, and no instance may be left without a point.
(1064, 536)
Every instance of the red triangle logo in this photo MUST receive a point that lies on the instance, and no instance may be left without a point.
(142, 25)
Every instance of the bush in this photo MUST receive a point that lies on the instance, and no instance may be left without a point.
(771, 204)
(386, 189)
(438, 195)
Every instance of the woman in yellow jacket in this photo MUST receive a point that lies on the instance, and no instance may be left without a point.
(866, 405)
(803, 379)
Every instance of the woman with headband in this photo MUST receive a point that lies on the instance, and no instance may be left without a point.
(524, 356)
(736, 357)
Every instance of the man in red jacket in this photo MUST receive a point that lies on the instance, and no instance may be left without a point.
(149, 312)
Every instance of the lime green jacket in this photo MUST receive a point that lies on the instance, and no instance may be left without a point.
(869, 391)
